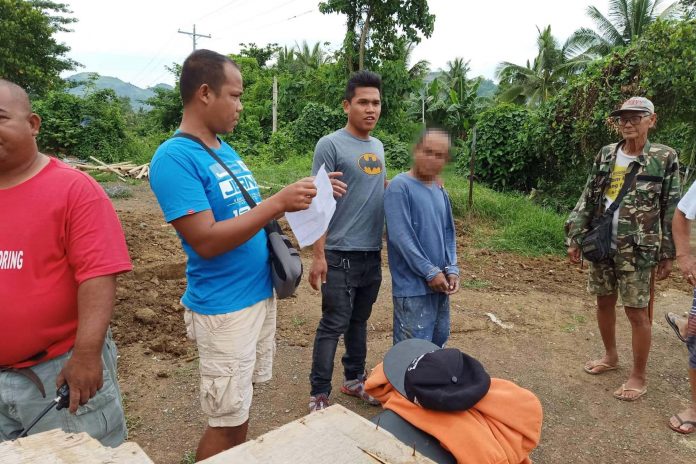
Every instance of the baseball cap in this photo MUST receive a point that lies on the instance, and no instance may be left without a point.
(434, 378)
(635, 104)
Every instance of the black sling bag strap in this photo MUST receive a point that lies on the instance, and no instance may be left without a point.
(596, 246)
(286, 265)
(250, 201)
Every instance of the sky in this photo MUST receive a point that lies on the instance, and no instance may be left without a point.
(135, 40)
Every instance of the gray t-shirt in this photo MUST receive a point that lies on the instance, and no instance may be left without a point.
(358, 222)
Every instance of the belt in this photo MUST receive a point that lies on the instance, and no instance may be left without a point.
(28, 373)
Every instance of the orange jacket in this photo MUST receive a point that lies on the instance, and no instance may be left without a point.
(502, 428)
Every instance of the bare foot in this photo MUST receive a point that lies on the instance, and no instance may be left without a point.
(600, 366)
(683, 425)
(631, 390)
(682, 325)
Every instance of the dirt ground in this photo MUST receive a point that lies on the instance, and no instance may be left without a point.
(553, 334)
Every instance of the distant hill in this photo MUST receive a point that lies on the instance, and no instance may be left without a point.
(487, 88)
(136, 95)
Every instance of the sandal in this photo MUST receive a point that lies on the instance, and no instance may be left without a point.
(670, 320)
(679, 429)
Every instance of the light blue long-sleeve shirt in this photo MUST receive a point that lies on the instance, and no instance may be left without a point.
(420, 234)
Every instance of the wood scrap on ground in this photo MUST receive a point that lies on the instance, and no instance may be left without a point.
(335, 435)
(122, 169)
(58, 447)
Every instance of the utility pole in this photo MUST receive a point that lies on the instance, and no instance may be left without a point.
(275, 103)
(471, 170)
(194, 35)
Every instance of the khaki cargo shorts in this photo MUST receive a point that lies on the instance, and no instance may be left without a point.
(236, 350)
(632, 286)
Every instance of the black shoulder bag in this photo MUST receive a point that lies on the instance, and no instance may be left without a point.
(286, 265)
(596, 245)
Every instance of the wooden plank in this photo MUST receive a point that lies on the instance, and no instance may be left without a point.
(334, 435)
(116, 171)
(144, 172)
(58, 447)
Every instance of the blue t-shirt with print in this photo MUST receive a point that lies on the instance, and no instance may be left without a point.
(187, 180)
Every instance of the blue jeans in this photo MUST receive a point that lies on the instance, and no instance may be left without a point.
(426, 317)
(101, 417)
(352, 283)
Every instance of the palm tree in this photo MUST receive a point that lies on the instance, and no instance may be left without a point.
(627, 20)
(310, 58)
(286, 59)
(448, 101)
(539, 81)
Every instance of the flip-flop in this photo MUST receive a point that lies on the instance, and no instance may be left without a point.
(640, 391)
(670, 320)
(603, 367)
(678, 429)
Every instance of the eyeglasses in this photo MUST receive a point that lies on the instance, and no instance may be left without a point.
(634, 120)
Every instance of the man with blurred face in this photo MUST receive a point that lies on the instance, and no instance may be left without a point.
(421, 244)
(642, 235)
(229, 306)
(347, 262)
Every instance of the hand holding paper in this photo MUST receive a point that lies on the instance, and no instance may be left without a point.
(309, 225)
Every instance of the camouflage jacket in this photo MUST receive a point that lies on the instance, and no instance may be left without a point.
(644, 235)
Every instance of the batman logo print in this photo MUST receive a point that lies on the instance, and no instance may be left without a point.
(370, 164)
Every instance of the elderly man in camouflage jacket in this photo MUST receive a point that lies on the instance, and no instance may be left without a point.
(642, 235)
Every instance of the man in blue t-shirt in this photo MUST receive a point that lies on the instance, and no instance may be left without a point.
(229, 306)
(421, 244)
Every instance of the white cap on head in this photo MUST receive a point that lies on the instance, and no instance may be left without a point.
(635, 104)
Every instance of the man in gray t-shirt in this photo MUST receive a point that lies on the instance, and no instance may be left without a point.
(347, 262)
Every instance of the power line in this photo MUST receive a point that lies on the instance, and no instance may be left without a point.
(155, 56)
(226, 5)
(286, 20)
(244, 22)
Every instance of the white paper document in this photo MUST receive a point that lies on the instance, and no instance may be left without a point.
(309, 225)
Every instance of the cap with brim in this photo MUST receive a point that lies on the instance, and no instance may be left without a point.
(640, 104)
(398, 358)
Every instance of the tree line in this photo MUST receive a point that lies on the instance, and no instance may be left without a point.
(536, 133)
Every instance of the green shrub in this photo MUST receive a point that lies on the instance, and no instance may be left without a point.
(280, 147)
(247, 138)
(518, 225)
(397, 153)
(315, 121)
(504, 158)
(92, 125)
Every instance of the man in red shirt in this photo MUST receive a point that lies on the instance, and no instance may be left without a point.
(61, 247)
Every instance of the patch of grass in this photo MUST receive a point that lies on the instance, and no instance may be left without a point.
(189, 457)
(103, 176)
(519, 225)
(298, 321)
(578, 319)
(133, 422)
(272, 177)
(475, 283)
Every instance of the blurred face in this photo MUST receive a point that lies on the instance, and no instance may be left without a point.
(634, 125)
(430, 157)
(363, 109)
(225, 106)
(18, 129)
